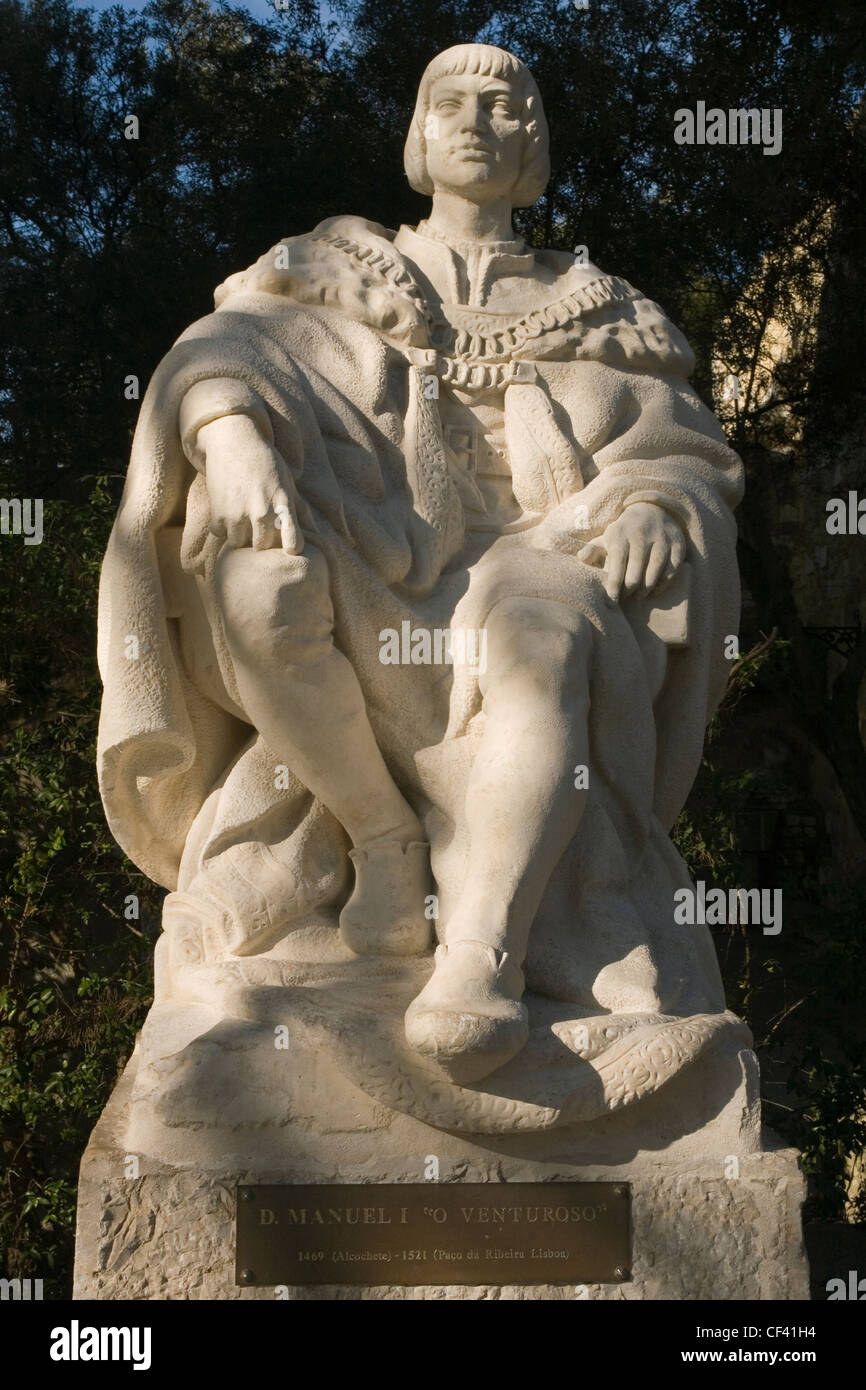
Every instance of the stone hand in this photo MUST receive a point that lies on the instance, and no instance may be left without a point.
(249, 487)
(642, 549)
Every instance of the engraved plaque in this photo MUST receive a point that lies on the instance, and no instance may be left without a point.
(427, 1233)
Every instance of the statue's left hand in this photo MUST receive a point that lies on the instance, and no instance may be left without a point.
(642, 549)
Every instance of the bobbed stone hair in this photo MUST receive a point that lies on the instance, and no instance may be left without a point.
(483, 60)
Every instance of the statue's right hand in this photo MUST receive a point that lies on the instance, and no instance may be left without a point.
(250, 488)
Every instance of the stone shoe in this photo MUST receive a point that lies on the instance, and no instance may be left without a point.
(468, 1017)
(385, 914)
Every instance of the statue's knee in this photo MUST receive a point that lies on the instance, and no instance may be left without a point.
(276, 608)
(537, 642)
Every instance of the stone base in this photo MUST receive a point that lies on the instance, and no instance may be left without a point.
(148, 1229)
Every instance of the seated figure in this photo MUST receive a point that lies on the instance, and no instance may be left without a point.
(428, 553)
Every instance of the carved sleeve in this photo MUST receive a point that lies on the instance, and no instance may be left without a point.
(210, 400)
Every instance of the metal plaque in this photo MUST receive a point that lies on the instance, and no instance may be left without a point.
(427, 1233)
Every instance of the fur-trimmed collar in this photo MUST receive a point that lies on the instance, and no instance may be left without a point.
(352, 266)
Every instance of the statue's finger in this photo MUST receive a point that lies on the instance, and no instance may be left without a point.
(656, 565)
(678, 551)
(617, 560)
(264, 534)
(290, 533)
(593, 553)
(238, 533)
(637, 564)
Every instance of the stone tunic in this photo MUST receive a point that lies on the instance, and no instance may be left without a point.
(477, 287)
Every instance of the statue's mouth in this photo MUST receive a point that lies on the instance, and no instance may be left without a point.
(476, 151)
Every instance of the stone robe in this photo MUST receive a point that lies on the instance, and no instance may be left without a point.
(337, 337)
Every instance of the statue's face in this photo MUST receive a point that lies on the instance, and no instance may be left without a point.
(474, 136)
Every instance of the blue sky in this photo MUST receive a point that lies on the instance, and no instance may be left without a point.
(260, 8)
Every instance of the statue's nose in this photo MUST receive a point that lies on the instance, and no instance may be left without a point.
(473, 122)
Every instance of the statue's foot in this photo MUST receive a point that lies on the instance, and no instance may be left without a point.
(468, 1017)
(385, 914)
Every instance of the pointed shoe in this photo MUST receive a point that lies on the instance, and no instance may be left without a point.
(468, 1017)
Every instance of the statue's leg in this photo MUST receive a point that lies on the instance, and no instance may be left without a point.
(303, 696)
(522, 804)
(522, 809)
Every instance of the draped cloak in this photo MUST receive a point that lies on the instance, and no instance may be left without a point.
(337, 338)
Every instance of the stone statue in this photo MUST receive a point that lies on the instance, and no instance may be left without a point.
(412, 621)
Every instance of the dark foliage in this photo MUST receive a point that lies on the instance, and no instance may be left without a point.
(248, 131)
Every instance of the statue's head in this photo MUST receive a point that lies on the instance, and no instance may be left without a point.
(479, 128)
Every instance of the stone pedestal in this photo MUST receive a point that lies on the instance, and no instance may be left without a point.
(715, 1205)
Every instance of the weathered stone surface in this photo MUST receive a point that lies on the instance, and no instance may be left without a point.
(698, 1233)
(412, 619)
